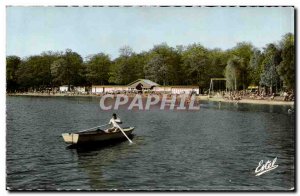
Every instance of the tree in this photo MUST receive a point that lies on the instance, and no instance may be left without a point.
(27, 74)
(217, 61)
(125, 68)
(269, 77)
(12, 65)
(255, 67)
(48, 58)
(286, 68)
(165, 60)
(35, 71)
(272, 67)
(125, 51)
(156, 69)
(243, 52)
(68, 69)
(196, 63)
(97, 69)
(58, 71)
(233, 73)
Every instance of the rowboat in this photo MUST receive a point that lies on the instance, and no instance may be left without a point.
(98, 136)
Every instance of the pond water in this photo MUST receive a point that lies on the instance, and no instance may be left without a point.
(215, 148)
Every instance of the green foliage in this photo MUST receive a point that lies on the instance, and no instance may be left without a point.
(156, 69)
(269, 77)
(35, 71)
(163, 65)
(194, 64)
(243, 52)
(126, 68)
(286, 68)
(68, 69)
(233, 73)
(12, 65)
(255, 68)
(97, 69)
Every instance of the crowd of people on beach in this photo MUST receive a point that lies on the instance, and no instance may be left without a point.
(256, 95)
(49, 92)
(226, 95)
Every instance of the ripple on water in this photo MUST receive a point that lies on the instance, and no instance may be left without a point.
(212, 149)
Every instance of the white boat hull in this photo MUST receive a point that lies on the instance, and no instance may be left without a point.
(95, 136)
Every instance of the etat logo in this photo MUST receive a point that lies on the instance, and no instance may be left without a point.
(265, 167)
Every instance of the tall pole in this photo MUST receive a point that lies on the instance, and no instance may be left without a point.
(235, 83)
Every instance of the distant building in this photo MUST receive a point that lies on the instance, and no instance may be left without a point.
(142, 84)
(163, 89)
(80, 89)
(177, 89)
(185, 89)
(64, 88)
(252, 88)
(96, 89)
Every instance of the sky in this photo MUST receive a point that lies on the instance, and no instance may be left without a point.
(91, 30)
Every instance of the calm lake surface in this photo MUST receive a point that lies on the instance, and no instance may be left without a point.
(211, 149)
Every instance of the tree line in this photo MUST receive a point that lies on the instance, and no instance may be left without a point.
(243, 65)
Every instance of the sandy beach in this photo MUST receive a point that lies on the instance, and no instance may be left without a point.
(200, 97)
(249, 101)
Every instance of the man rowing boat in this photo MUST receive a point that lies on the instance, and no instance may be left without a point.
(114, 121)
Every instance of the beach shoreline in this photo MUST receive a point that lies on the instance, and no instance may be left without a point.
(250, 101)
(200, 97)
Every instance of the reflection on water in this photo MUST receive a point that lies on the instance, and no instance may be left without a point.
(234, 106)
(94, 159)
(216, 148)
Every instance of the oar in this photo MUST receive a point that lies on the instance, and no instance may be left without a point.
(92, 128)
(124, 133)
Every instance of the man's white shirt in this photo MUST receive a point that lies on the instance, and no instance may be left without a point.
(115, 122)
